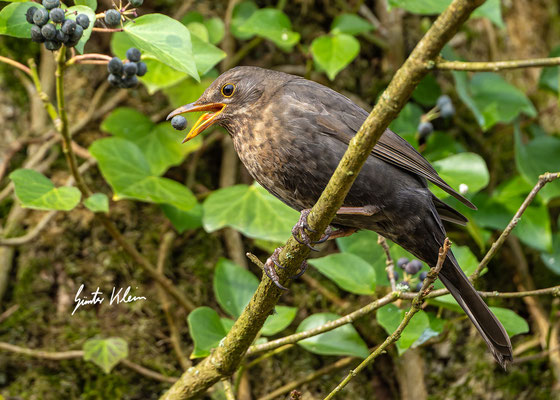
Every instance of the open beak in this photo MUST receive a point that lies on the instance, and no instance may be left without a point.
(205, 119)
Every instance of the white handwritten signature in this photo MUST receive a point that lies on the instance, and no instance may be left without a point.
(117, 297)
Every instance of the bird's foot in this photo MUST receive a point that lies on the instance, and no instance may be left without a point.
(299, 231)
(270, 270)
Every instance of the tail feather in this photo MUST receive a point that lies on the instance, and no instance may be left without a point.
(476, 309)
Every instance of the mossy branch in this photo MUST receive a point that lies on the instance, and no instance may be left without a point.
(226, 358)
(495, 66)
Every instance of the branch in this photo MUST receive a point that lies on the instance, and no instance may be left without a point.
(442, 64)
(69, 355)
(414, 308)
(15, 64)
(390, 269)
(543, 180)
(226, 358)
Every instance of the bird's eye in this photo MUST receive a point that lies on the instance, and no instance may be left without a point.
(228, 89)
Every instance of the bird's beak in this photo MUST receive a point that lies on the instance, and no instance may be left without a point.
(205, 119)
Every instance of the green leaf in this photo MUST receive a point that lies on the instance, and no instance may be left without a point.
(333, 53)
(160, 144)
(427, 91)
(512, 322)
(549, 76)
(97, 202)
(105, 353)
(199, 30)
(406, 123)
(364, 245)
(277, 322)
(89, 3)
(348, 271)
(342, 341)
(206, 55)
(271, 24)
(73, 12)
(390, 316)
(552, 259)
(350, 24)
(491, 98)
(13, 22)
(463, 169)
(233, 287)
(192, 16)
(251, 210)
(490, 9)
(206, 330)
(538, 156)
(183, 220)
(216, 29)
(241, 13)
(164, 38)
(127, 170)
(36, 191)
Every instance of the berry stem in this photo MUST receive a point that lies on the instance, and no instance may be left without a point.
(16, 64)
(79, 59)
(108, 30)
(49, 107)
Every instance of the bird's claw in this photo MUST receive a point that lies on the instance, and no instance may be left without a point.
(270, 271)
(300, 228)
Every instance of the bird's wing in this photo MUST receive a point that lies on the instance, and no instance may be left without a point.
(337, 116)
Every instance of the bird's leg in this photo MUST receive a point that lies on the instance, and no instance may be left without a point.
(273, 261)
(299, 229)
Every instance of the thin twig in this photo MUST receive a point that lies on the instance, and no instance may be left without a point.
(442, 64)
(228, 389)
(16, 64)
(174, 335)
(390, 269)
(329, 369)
(543, 180)
(68, 355)
(414, 308)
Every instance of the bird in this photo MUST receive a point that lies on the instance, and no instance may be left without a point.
(290, 133)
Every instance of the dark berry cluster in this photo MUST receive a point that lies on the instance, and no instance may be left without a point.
(125, 75)
(446, 110)
(51, 27)
(410, 267)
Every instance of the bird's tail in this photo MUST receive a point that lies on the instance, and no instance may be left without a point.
(476, 309)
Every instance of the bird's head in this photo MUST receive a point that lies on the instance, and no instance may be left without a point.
(237, 91)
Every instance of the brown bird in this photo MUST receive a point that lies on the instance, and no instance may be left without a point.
(291, 134)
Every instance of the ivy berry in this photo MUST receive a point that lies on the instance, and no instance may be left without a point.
(125, 75)
(50, 4)
(29, 14)
(179, 122)
(136, 3)
(83, 20)
(40, 17)
(133, 54)
(112, 18)
(57, 15)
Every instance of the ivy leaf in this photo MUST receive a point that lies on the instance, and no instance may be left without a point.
(462, 169)
(333, 53)
(233, 287)
(127, 170)
(13, 21)
(216, 30)
(72, 13)
(552, 259)
(512, 322)
(271, 24)
(342, 341)
(364, 245)
(206, 330)
(348, 271)
(97, 202)
(350, 24)
(89, 3)
(251, 210)
(36, 191)
(549, 75)
(390, 316)
(241, 13)
(183, 220)
(105, 353)
(536, 157)
(277, 322)
(164, 38)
